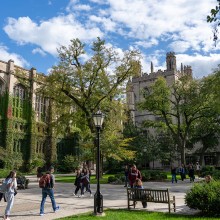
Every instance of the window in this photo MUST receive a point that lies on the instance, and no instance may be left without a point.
(40, 147)
(41, 108)
(209, 160)
(20, 104)
(17, 146)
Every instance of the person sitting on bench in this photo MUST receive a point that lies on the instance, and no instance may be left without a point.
(139, 185)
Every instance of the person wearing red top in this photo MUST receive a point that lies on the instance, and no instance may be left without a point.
(133, 175)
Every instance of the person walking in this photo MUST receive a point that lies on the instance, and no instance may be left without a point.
(11, 183)
(85, 182)
(126, 172)
(198, 168)
(78, 183)
(182, 172)
(48, 191)
(173, 173)
(134, 174)
(191, 173)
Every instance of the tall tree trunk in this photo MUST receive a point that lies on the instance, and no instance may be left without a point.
(183, 153)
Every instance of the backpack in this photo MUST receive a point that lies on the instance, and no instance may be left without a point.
(44, 181)
(4, 187)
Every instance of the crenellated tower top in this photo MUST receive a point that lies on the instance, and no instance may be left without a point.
(171, 61)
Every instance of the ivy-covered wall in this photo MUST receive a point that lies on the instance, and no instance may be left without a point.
(24, 127)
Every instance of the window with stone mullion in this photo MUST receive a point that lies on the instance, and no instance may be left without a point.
(41, 108)
(19, 99)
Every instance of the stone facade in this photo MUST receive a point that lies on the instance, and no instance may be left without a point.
(25, 115)
(136, 85)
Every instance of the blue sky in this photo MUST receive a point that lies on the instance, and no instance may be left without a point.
(32, 30)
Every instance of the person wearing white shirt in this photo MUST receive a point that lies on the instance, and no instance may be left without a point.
(11, 187)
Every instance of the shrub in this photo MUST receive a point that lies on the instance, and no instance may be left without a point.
(69, 164)
(111, 179)
(207, 170)
(13, 160)
(37, 161)
(204, 197)
(153, 175)
(118, 178)
(216, 175)
(210, 170)
(4, 173)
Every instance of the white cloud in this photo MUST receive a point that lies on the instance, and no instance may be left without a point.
(5, 55)
(152, 19)
(51, 34)
(82, 7)
(101, 2)
(155, 59)
(147, 44)
(201, 65)
(107, 23)
(74, 6)
(179, 46)
(176, 25)
(38, 50)
(70, 5)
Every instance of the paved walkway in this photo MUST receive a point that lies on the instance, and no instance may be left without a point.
(27, 202)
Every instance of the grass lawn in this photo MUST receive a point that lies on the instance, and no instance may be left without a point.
(103, 180)
(71, 179)
(133, 215)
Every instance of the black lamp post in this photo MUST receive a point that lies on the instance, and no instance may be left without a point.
(98, 118)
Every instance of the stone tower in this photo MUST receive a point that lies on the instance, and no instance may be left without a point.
(171, 61)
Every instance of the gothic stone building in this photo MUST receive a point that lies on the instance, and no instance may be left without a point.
(25, 116)
(138, 84)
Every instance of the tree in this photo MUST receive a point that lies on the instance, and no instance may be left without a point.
(86, 82)
(207, 132)
(207, 129)
(212, 86)
(177, 108)
(214, 18)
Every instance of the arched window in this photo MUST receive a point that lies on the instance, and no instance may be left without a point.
(41, 108)
(20, 102)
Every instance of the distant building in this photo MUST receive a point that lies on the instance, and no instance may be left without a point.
(136, 85)
(25, 116)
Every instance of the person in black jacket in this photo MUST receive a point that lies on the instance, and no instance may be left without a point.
(191, 173)
(126, 172)
(85, 182)
(78, 182)
(173, 173)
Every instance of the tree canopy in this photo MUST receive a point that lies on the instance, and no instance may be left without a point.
(178, 108)
(89, 78)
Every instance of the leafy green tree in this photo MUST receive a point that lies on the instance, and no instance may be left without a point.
(207, 132)
(211, 85)
(214, 18)
(11, 160)
(143, 143)
(84, 82)
(207, 129)
(177, 108)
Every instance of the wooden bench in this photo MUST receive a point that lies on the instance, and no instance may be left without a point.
(150, 195)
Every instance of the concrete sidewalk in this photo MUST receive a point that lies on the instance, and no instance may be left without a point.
(27, 202)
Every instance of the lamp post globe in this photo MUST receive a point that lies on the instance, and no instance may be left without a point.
(98, 118)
